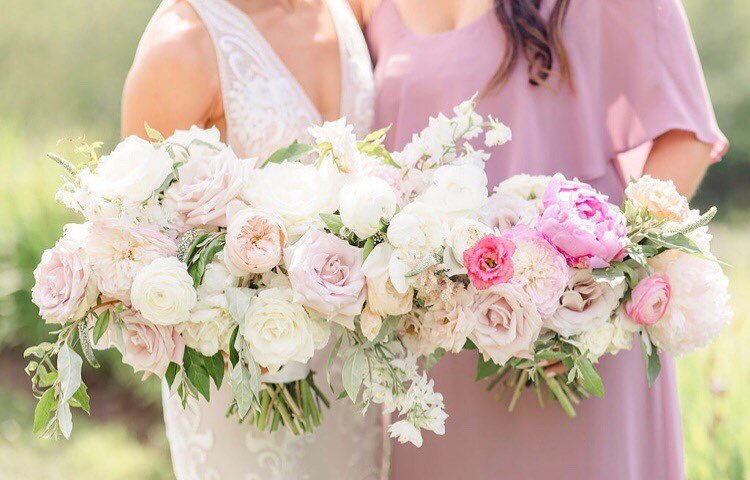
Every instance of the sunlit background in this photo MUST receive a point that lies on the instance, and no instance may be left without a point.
(62, 67)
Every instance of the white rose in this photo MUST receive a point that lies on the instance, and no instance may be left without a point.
(382, 296)
(458, 190)
(596, 342)
(197, 141)
(277, 330)
(132, 172)
(464, 235)
(295, 192)
(364, 203)
(417, 227)
(163, 292)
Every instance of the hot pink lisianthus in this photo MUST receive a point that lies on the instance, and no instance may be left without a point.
(489, 261)
(582, 224)
(649, 300)
(149, 348)
(326, 276)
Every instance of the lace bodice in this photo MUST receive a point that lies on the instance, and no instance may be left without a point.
(266, 109)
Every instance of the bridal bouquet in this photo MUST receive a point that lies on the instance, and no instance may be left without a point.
(198, 265)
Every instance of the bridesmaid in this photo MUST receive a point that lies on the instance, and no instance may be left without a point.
(580, 83)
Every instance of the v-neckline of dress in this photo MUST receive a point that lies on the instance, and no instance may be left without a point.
(282, 67)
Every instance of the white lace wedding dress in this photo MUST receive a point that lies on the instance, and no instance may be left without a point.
(265, 109)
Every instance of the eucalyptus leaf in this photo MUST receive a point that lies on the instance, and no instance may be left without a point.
(238, 301)
(69, 365)
(353, 373)
(242, 389)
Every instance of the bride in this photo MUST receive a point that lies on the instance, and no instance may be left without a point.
(261, 71)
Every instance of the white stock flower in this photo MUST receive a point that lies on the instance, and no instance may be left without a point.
(699, 304)
(295, 192)
(464, 235)
(163, 292)
(417, 227)
(364, 203)
(132, 172)
(457, 190)
(498, 133)
(411, 154)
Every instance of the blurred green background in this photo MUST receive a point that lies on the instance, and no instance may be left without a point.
(62, 67)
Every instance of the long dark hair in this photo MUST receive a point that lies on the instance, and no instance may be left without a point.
(538, 40)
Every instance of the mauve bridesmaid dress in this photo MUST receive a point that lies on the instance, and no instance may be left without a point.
(637, 75)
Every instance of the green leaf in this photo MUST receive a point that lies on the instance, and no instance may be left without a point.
(469, 345)
(590, 378)
(100, 327)
(485, 368)
(238, 301)
(43, 410)
(332, 357)
(216, 370)
(378, 151)
(701, 221)
(367, 249)
(353, 373)
(333, 222)
(206, 255)
(196, 370)
(294, 152)
(429, 361)
(234, 356)
(64, 419)
(69, 367)
(86, 348)
(653, 364)
(378, 136)
(242, 389)
(672, 241)
(171, 373)
(153, 133)
(81, 399)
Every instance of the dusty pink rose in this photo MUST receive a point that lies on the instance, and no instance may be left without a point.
(649, 300)
(489, 261)
(254, 242)
(507, 323)
(326, 276)
(118, 252)
(149, 348)
(64, 287)
(582, 224)
(206, 185)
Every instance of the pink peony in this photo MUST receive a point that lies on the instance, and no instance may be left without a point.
(507, 323)
(254, 242)
(489, 261)
(326, 276)
(206, 185)
(579, 222)
(149, 348)
(649, 300)
(64, 287)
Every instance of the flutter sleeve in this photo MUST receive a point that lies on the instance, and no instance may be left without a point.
(653, 80)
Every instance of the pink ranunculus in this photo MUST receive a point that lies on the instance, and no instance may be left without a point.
(507, 323)
(64, 287)
(326, 276)
(206, 185)
(649, 300)
(254, 241)
(582, 224)
(147, 347)
(489, 261)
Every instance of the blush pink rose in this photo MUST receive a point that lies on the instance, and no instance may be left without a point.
(206, 185)
(582, 224)
(489, 262)
(649, 300)
(506, 323)
(64, 287)
(326, 276)
(148, 347)
(254, 241)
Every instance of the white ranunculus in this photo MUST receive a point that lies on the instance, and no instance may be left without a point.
(699, 304)
(529, 187)
(132, 172)
(457, 190)
(382, 296)
(464, 235)
(295, 192)
(364, 203)
(417, 227)
(163, 292)
(198, 141)
(277, 330)
(585, 305)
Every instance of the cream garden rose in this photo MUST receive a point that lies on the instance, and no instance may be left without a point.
(364, 203)
(659, 197)
(163, 292)
(254, 242)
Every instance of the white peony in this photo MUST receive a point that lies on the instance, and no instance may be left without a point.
(464, 235)
(295, 192)
(417, 227)
(585, 304)
(278, 331)
(364, 203)
(699, 304)
(457, 190)
(163, 292)
(132, 172)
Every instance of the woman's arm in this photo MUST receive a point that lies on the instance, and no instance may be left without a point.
(679, 156)
(173, 83)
